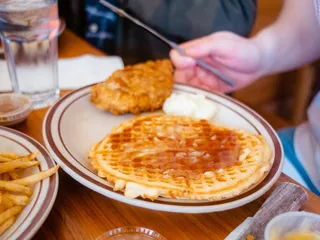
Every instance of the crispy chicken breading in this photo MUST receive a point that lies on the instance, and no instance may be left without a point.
(137, 88)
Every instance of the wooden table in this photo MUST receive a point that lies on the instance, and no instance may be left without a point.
(80, 213)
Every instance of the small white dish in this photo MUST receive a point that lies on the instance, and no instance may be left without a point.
(14, 108)
(292, 223)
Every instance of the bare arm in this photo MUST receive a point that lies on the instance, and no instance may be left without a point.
(293, 40)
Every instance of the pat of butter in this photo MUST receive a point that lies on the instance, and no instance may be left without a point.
(185, 104)
(134, 190)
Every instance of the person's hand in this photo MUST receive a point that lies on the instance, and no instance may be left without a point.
(236, 57)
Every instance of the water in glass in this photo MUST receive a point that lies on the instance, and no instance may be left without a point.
(32, 55)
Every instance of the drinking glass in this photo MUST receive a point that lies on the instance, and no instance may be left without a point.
(32, 55)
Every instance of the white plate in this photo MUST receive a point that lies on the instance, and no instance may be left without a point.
(73, 124)
(45, 192)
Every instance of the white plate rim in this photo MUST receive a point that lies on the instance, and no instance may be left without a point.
(34, 224)
(187, 208)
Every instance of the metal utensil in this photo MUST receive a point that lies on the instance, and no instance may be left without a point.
(172, 44)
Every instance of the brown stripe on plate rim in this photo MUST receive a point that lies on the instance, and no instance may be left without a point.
(52, 183)
(278, 152)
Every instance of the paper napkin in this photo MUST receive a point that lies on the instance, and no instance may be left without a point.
(74, 72)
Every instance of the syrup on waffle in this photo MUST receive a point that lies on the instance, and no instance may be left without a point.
(180, 157)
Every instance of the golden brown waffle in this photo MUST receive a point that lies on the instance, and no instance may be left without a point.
(180, 157)
(135, 89)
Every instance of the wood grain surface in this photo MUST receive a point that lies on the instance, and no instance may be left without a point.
(79, 213)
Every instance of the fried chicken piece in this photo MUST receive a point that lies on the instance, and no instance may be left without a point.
(137, 88)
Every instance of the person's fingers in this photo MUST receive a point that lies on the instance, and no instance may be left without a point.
(228, 49)
(235, 74)
(199, 48)
(180, 77)
(195, 42)
(180, 61)
(203, 44)
(221, 47)
(207, 78)
(240, 79)
(184, 76)
(199, 77)
(222, 34)
(246, 57)
(234, 56)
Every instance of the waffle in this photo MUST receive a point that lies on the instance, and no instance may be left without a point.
(134, 89)
(180, 157)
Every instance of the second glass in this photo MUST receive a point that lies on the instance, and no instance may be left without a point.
(32, 55)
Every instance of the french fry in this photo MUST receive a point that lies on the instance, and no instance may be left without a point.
(14, 175)
(5, 177)
(5, 159)
(11, 156)
(29, 157)
(2, 208)
(12, 184)
(20, 163)
(16, 199)
(7, 224)
(13, 187)
(36, 177)
(7, 203)
(9, 213)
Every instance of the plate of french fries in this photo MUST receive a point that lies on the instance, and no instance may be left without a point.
(28, 185)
